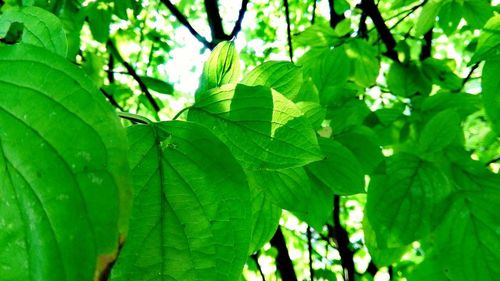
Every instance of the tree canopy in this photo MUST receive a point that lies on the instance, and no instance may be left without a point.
(249, 140)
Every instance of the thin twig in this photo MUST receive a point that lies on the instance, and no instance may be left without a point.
(114, 52)
(313, 16)
(255, 258)
(182, 19)
(469, 75)
(288, 29)
(426, 51)
(111, 99)
(241, 15)
(310, 249)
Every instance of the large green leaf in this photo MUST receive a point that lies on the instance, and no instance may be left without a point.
(284, 77)
(340, 170)
(427, 16)
(477, 12)
(191, 214)
(365, 62)
(63, 169)
(288, 188)
(490, 85)
(489, 41)
(260, 126)
(99, 19)
(441, 130)
(405, 204)
(40, 28)
(330, 69)
(468, 241)
(406, 80)
(449, 16)
(265, 217)
(222, 67)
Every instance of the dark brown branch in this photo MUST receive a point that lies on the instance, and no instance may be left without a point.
(111, 99)
(310, 250)
(371, 10)
(362, 29)
(426, 51)
(255, 258)
(283, 261)
(288, 29)
(114, 52)
(372, 269)
(334, 17)
(313, 16)
(241, 15)
(469, 75)
(341, 238)
(182, 19)
(215, 22)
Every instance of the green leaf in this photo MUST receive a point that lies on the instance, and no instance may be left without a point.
(222, 67)
(320, 202)
(41, 28)
(490, 85)
(265, 218)
(331, 69)
(365, 62)
(283, 77)
(365, 146)
(440, 72)
(314, 112)
(381, 256)
(63, 170)
(317, 35)
(287, 188)
(428, 16)
(477, 12)
(340, 170)
(262, 128)
(191, 214)
(406, 80)
(489, 41)
(449, 16)
(464, 104)
(468, 241)
(158, 85)
(441, 130)
(406, 203)
(99, 19)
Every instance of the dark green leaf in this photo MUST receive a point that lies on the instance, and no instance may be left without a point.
(191, 215)
(407, 203)
(477, 12)
(407, 80)
(158, 85)
(340, 170)
(450, 16)
(440, 72)
(491, 85)
(365, 62)
(441, 130)
(260, 126)
(99, 19)
(41, 28)
(63, 170)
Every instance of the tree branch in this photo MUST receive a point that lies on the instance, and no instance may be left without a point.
(241, 15)
(182, 19)
(215, 22)
(310, 250)
(369, 7)
(114, 52)
(283, 261)
(362, 29)
(288, 29)
(372, 268)
(341, 238)
(313, 17)
(334, 17)
(426, 51)
(255, 258)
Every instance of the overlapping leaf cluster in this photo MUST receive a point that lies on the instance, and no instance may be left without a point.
(190, 200)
